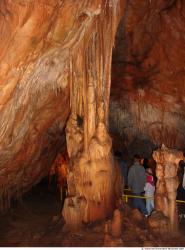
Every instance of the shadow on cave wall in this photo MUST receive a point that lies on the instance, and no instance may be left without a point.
(140, 79)
(143, 116)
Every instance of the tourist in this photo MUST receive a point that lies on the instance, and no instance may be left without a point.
(149, 190)
(181, 176)
(136, 181)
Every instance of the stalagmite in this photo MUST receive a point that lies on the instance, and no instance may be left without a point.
(92, 173)
(116, 224)
(112, 231)
(167, 183)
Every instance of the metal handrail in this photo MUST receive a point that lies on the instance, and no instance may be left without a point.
(143, 197)
(134, 196)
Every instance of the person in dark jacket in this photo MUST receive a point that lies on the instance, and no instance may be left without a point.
(180, 174)
(181, 190)
(136, 181)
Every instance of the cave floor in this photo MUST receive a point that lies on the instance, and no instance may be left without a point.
(36, 222)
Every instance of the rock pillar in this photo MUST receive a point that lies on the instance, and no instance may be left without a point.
(92, 175)
(166, 171)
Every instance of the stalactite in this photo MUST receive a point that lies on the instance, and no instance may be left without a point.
(92, 175)
(81, 58)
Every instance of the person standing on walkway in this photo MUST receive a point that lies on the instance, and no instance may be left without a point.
(136, 181)
(181, 187)
(149, 190)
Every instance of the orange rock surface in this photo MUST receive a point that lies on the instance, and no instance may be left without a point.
(36, 41)
(148, 90)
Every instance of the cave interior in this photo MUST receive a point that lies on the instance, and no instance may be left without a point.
(79, 82)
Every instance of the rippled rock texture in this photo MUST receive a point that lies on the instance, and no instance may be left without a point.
(39, 47)
(148, 82)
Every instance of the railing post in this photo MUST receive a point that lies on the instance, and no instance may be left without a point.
(126, 200)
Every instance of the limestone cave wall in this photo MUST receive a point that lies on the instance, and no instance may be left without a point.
(38, 42)
(34, 95)
(148, 76)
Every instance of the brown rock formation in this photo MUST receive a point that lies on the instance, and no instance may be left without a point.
(48, 50)
(55, 63)
(167, 183)
(137, 216)
(112, 236)
(147, 95)
(159, 224)
(34, 92)
(116, 224)
(92, 173)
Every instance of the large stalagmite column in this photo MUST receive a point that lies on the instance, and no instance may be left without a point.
(92, 173)
(167, 183)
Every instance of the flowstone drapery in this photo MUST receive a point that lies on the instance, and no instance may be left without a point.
(92, 173)
(167, 183)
